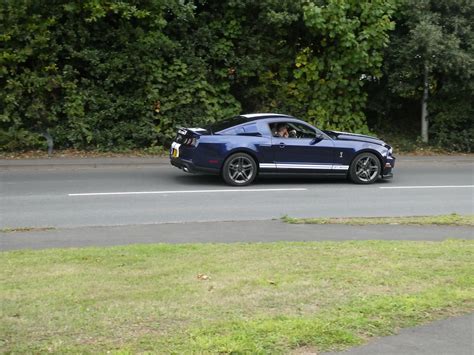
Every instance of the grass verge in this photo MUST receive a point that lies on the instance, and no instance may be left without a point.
(255, 298)
(26, 229)
(444, 220)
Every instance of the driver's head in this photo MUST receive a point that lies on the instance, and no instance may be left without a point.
(282, 130)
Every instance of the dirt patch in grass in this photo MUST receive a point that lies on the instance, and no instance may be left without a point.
(257, 298)
(304, 350)
(26, 229)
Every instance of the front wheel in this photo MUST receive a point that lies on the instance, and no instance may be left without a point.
(365, 169)
(239, 169)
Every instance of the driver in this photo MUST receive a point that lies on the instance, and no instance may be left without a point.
(282, 130)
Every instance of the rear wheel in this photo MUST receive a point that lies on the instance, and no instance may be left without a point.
(365, 168)
(239, 169)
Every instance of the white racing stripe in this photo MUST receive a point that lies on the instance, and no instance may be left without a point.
(237, 190)
(303, 166)
(268, 165)
(427, 187)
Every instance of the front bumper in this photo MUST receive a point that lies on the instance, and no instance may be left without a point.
(387, 171)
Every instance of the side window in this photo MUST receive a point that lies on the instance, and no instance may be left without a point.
(291, 130)
(298, 130)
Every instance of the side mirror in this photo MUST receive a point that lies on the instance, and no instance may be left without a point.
(317, 138)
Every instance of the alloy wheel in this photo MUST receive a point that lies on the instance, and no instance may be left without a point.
(241, 170)
(367, 169)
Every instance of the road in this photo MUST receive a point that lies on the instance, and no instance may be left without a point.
(133, 194)
(454, 336)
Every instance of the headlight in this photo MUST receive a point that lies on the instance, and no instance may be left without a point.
(390, 151)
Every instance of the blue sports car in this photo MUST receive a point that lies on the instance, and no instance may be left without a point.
(245, 146)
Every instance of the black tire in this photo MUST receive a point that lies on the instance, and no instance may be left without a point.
(240, 169)
(365, 169)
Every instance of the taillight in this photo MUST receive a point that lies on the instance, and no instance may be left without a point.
(190, 141)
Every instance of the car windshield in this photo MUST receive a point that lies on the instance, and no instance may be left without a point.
(227, 123)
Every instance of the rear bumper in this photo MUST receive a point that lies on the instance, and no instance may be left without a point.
(189, 167)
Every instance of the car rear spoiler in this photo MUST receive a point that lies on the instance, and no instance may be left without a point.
(192, 132)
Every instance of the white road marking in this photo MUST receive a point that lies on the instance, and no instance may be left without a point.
(427, 187)
(181, 192)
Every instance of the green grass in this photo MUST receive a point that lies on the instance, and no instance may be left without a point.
(258, 298)
(445, 220)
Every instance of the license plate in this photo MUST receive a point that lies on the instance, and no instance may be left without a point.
(175, 150)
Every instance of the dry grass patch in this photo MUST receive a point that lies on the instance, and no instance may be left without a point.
(26, 229)
(445, 220)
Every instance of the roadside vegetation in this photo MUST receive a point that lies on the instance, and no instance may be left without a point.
(223, 298)
(115, 76)
(443, 220)
(78, 154)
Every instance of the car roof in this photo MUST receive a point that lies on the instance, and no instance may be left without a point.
(246, 119)
(254, 116)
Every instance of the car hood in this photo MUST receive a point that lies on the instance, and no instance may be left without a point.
(345, 136)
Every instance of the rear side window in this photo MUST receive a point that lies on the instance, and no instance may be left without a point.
(249, 129)
(232, 131)
(218, 127)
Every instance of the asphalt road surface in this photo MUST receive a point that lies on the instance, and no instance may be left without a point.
(453, 336)
(131, 193)
(222, 232)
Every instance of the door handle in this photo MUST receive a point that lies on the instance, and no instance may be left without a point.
(282, 145)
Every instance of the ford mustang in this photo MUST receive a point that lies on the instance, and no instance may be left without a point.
(242, 147)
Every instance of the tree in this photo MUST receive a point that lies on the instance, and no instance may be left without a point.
(346, 45)
(431, 59)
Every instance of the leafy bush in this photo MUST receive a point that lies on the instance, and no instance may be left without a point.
(111, 75)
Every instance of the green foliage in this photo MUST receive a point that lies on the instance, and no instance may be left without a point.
(109, 74)
(100, 74)
(437, 35)
(80, 71)
(330, 73)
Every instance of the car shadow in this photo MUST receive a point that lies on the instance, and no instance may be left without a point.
(203, 180)
(199, 180)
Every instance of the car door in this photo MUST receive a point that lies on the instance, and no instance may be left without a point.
(302, 153)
